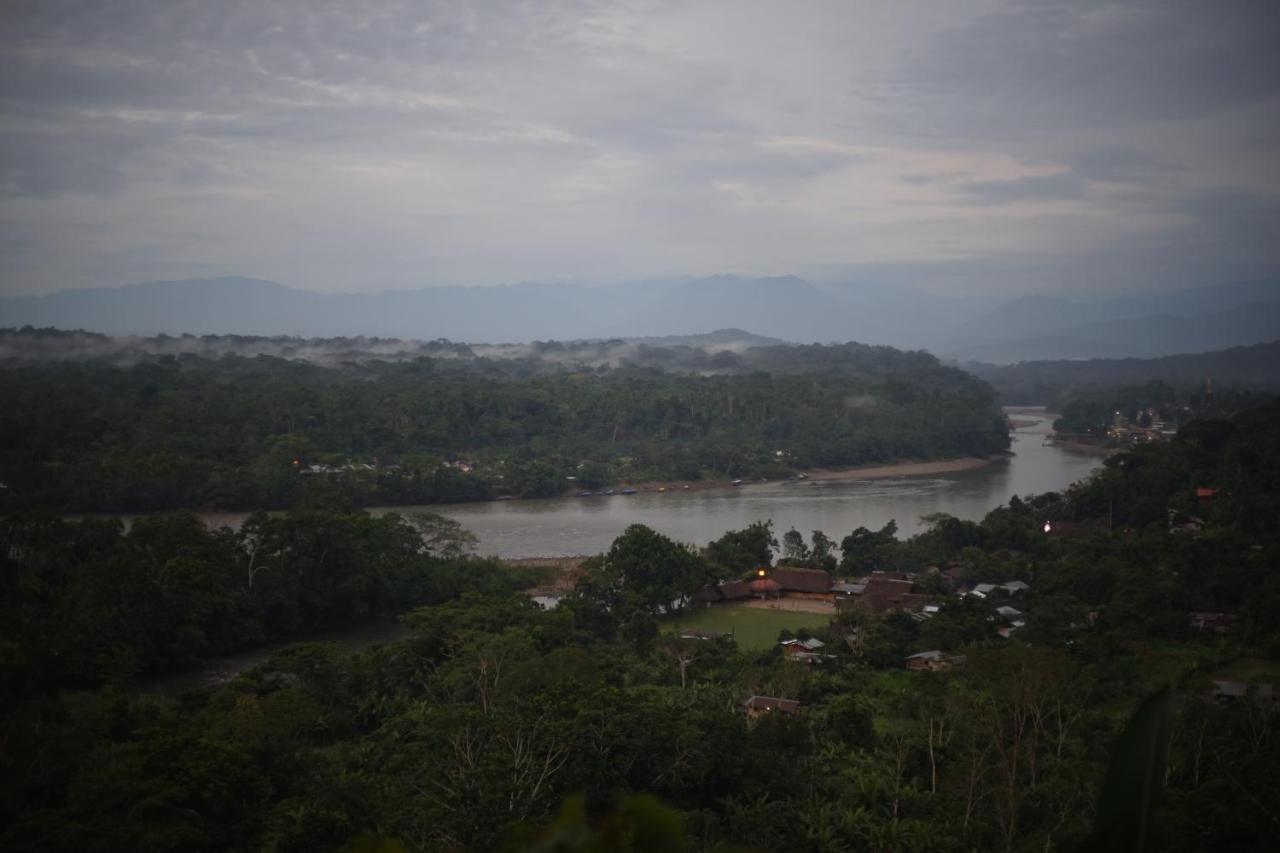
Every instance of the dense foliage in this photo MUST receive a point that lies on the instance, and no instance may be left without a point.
(473, 731)
(88, 603)
(185, 432)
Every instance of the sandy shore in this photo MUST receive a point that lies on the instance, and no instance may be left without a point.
(906, 469)
(866, 472)
(560, 574)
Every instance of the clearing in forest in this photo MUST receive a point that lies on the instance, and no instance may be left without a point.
(754, 629)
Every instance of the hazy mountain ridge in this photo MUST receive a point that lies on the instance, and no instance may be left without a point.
(784, 307)
(687, 352)
(1254, 367)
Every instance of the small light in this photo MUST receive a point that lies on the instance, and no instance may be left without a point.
(760, 572)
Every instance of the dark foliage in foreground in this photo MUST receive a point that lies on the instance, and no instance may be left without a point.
(475, 731)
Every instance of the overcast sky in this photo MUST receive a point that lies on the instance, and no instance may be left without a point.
(351, 146)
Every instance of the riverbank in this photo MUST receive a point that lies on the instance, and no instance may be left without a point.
(907, 469)
(860, 472)
(233, 518)
(559, 575)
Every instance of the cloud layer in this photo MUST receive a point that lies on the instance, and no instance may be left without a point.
(339, 146)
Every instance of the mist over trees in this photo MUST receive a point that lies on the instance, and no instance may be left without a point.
(951, 323)
(186, 431)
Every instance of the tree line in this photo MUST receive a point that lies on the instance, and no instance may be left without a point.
(256, 433)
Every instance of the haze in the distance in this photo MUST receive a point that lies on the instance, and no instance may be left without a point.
(959, 147)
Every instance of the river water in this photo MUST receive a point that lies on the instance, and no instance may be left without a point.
(567, 526)
(557, 527)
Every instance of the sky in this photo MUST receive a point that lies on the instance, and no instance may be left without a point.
(960, 146)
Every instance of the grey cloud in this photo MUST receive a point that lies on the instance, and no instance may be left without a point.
(1230, 221)
(350, 146)
(1042, 66)
(1121, 165)
(1033, 188)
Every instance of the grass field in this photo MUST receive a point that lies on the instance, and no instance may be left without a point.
(1250, 669)
(754, 629)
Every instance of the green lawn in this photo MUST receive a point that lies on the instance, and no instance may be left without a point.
(1250, 669)
(753, 629)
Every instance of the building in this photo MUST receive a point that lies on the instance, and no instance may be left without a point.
(934, 661)
(794, 646)
(982, 590)
(802, 582)
(844, 590)
(883, 592)
(805, 651)
(765, 587)
(1228, 692)
(759, 706)
(810, 658)
(727, 591)
(1006, 631)
(926, 613)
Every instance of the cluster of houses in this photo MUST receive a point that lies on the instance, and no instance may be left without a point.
(1147, 428)
(881, 592)
(806, 650)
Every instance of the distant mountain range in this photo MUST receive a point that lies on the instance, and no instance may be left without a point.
(1254, 368)
(956, 327)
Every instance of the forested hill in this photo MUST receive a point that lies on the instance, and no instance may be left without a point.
(1254, 368)
(234, 432)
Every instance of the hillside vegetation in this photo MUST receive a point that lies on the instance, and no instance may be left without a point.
(165, 431)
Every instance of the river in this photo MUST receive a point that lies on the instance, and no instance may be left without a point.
(567, 526)
(572, 526)
(557, 527)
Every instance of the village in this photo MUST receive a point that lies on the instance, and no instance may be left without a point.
(801, 590)
(921, 596)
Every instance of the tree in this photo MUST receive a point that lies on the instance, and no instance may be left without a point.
(822, 553)
(742, 551)
(643, 575)
(793, 547)
(865, 550)
(443, 537)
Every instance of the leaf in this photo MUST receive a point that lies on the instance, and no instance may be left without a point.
(1135, 777)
